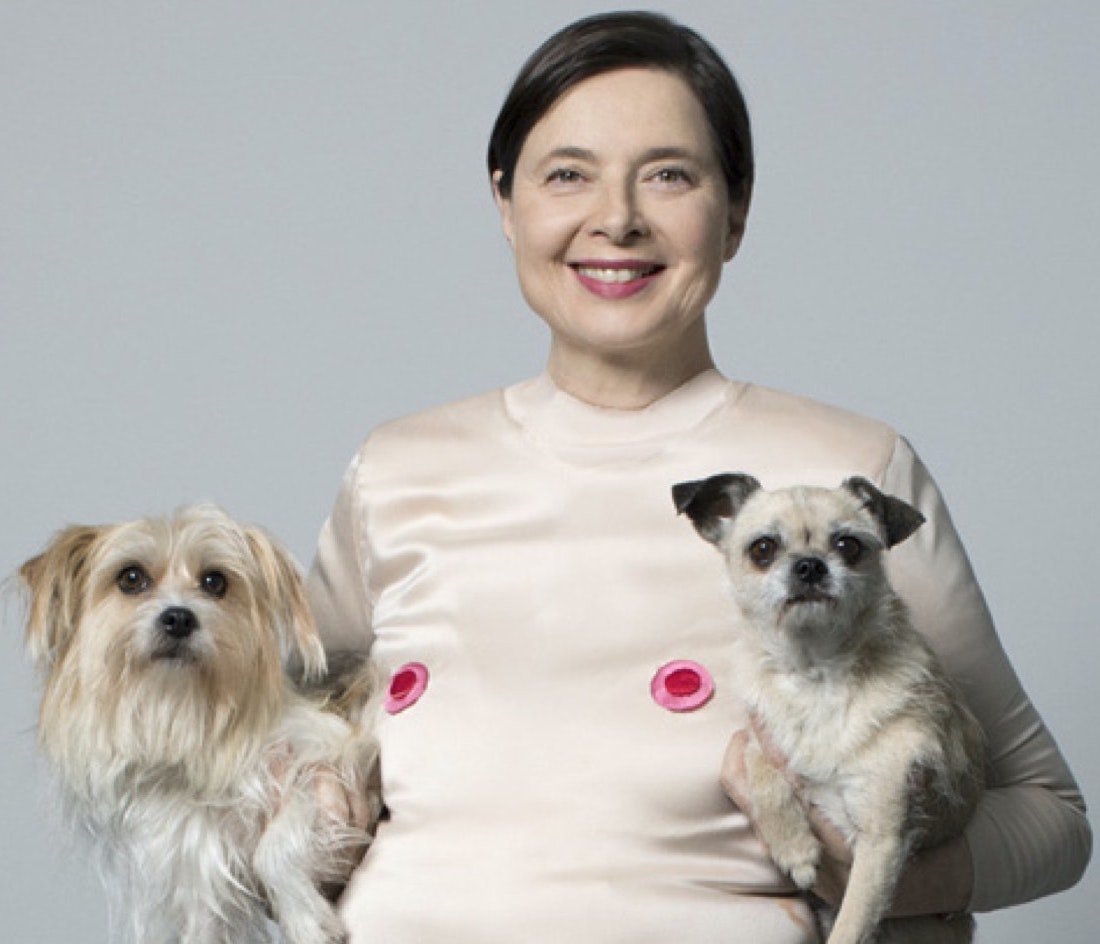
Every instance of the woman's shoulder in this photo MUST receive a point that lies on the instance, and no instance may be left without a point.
(792, 409)
(800, 433)
(462, 422)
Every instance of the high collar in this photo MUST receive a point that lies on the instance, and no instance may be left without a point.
(580, 431)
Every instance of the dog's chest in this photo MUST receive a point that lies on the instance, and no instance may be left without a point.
(814, 722)
(820, 724)
(179, 842)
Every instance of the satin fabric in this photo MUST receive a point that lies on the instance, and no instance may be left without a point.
(523, 549)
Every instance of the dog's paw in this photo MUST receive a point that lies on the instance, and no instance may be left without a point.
(335, 932)
(804, 876)
(792, 845)
(798, 856)
(314, 929)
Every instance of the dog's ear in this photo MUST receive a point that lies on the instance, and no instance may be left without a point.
(898, 519)
(56, 580)
(287, 605)
(712, 503)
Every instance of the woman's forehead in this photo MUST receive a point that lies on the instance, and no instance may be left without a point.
(639, 109)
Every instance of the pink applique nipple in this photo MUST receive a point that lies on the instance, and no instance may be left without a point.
(406, 686)
(682, 686)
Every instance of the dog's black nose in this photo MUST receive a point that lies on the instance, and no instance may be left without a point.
(811, 570)
(178, 622)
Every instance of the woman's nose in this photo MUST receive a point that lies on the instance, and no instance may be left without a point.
(618, 215)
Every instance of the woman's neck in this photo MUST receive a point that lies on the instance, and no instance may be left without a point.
(624, 382)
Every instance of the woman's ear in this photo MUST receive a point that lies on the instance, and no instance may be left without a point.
(737, 214)
(504, 206)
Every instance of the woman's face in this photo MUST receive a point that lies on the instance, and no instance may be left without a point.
(620, 218)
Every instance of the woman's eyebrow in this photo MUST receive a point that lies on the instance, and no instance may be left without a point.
(572, 153)
(670, 152)
(661, 153)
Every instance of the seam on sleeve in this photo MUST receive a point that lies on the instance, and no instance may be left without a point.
(357, 523)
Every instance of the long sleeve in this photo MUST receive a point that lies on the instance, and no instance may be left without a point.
(1029, 836)
(336, 584)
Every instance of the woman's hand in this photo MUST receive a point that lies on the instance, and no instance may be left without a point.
(348, 810)
(934, 881)
(354, 813)
(836, 856)
(349, 807)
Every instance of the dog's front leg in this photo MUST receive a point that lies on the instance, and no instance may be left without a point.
(286, 862)
(879, 806)
(779, 817)
(876, 864)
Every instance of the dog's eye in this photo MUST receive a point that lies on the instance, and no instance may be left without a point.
(763, 551)
(849, 548)
(214, 583)
(133, 579)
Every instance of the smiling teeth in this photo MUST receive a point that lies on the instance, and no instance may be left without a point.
(615, 275)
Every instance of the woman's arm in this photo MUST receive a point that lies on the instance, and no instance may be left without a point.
(337, 584)
(1029, 836)
(337, 592)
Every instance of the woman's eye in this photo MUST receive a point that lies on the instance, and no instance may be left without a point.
(564, 175)
(133, 579)
(214, 583)
(763, 552)
(850, 549)
(672, 175)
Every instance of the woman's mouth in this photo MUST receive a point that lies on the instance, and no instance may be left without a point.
(619, 279)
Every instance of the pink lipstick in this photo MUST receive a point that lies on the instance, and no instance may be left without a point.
(616, 278)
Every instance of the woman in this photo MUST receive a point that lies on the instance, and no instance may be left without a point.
(557, 639)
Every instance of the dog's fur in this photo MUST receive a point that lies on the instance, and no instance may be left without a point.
(176, 738)
(846, 690)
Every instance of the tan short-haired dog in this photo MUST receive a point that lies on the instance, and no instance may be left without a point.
(176, 738)
(849, 693)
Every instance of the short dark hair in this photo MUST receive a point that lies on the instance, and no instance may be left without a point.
(610, 41)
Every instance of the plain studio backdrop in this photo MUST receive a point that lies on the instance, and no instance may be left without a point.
(235, 236)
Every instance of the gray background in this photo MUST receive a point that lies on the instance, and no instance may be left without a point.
(234, 236)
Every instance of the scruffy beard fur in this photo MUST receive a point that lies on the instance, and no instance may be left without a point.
(178, 743)
(833, 672)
